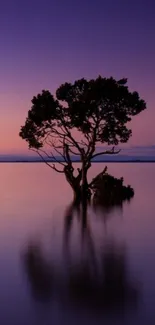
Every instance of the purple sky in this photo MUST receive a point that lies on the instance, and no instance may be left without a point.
(45, 43)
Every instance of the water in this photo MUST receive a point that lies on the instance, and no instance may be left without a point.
(55, 271)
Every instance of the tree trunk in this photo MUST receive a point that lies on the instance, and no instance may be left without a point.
(77, 195)
(85, 190)
(75, 184)
(79, 183)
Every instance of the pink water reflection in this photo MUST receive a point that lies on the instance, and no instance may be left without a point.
(33, 200)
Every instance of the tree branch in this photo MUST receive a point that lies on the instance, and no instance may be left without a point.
(100, 174)
(107, 152)
(68, 133)
(51, 156)
(56, 147)
(57, 170)
(46, 162)
(67, 155)
(73, 152)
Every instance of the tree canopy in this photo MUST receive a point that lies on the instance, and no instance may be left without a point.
(78, 118)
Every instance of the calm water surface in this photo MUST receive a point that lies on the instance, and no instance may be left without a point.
(55, 270)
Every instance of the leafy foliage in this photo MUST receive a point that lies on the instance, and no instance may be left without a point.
(98, 109)
(110, 191)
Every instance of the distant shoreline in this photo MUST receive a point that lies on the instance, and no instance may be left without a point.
(96, 162)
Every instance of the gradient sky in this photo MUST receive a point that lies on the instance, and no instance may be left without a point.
(45, 43)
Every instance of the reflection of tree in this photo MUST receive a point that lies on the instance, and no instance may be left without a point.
(107, 287)
(80, 214)
(38, 271)
(97, 279)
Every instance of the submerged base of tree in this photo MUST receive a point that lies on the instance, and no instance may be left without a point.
(109, 191)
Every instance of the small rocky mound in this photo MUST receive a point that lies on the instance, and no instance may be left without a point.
(110, 191)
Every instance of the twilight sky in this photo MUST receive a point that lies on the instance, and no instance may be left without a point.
(45, 43)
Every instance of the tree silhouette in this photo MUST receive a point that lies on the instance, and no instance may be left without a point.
(110, 191)
(80, 116)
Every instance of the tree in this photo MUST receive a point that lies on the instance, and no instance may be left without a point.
(80, 116)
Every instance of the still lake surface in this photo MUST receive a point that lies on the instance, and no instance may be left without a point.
(53, 271)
